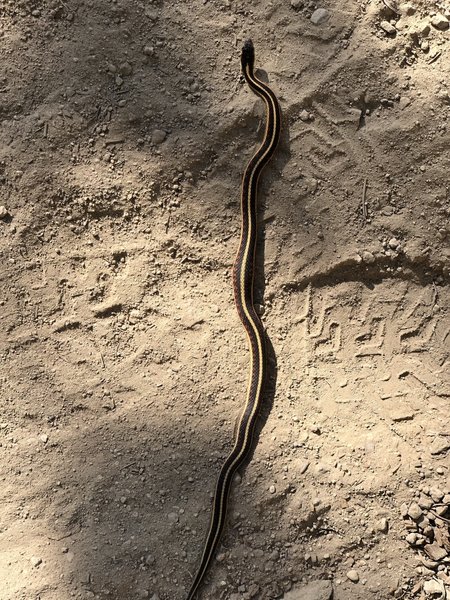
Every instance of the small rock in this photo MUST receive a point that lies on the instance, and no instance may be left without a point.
(44, 438)
(411, 538)
(319, 16)
(432, 587)
(382, 525)
(35, 561)
(440, 445)
(297, 4)
(436, 494)
(423, 28)
(4, 214)
(272, 489)
(435, 552)
(304, 115)
(388, 28)
(158, 136)
(368, 257)
(149, 50)
(439, 21)
(404, 510)
(353, 575)
(304, 466)
(414, 511)
(315, 590)
(125, 69)
(393, 243)
(424, 502)
(407, 9)
(173, 517)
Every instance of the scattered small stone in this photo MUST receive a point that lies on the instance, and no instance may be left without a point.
(436, 494)
(414, 511)
(304, 115)
(424, 502)
(411, 538)
(388, 28)
(314, 590)
(435, 552)
(368, 257)
(125, 69)
(319, 16)
(44, 438)
(439, 21)
(297, 4)
(173, 517)
(353, 575)
(35, 561)
(4, 214)
(382, 525)
(393, 243)
(272, 489)
(407, 9)
(304, 466)
(440, 445)
(158, 136)
(404, 510)
(432, 587)
(149, 50)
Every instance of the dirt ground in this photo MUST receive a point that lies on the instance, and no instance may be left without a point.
(125, 129)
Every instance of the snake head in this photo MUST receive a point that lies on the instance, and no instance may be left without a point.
(248, 55)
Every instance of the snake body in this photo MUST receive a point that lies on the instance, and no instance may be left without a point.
(243, 275)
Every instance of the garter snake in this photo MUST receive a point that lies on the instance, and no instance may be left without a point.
(243, 274)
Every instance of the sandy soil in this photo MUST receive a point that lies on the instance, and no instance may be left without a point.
(125, 128)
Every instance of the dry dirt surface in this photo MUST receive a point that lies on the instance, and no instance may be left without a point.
(125, 129)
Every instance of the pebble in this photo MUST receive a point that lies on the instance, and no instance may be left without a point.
(319, 16)
(272, 489)
(304, 115)
(158, 136)
(393, 243)
(425, 502)
(44, 438)
(440, 445)
(414, 511)
(35, 561)
(439, 21)
(382, 525)
(388, 28)
(353, 575)
(125, 68)
(4, 214)
(304, 466)
(435, 552)
(368, 257)
(436, 494)
(149, 50)
(314, 590)
(411, 538)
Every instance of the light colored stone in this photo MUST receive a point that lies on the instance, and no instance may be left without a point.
(319, 16)
(435, 552)
(414, 511)
(4, 214)
(368, 257)
(304, 115)
(382, 525)
(35, 561)
(388, 28)
(439, 21)
(315, 590)
(353, 575)
(158, 136)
